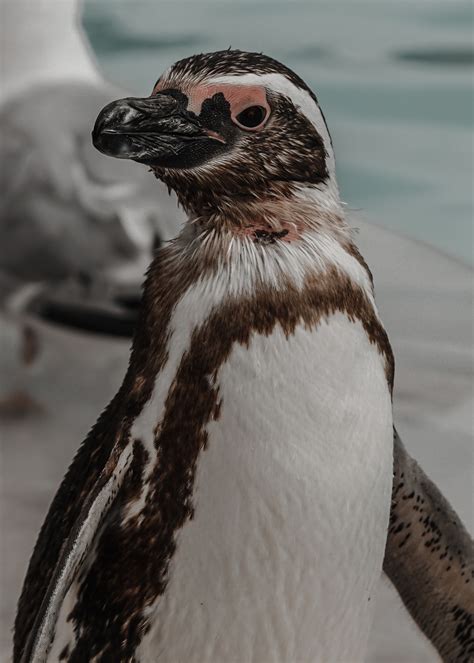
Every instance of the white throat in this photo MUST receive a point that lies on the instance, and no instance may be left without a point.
(43, 42)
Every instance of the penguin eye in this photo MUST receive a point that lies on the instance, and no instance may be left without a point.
(251, 117)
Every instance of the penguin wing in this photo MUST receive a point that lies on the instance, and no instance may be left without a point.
(429, 558)
(74, 552)
(75, 515)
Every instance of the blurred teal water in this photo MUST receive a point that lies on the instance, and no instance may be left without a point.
(393, 77)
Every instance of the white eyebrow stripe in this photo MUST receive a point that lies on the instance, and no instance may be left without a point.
(300, 97)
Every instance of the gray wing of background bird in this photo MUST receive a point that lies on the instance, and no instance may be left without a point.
(66, 208)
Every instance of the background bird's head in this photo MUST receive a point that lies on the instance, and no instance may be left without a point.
(225, 128)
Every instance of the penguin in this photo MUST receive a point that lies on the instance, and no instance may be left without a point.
(233, 500)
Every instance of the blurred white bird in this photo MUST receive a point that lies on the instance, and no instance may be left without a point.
(66, 208)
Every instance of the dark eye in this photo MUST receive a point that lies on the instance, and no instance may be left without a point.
(252, 116)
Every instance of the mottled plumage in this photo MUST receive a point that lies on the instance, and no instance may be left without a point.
(233, 500)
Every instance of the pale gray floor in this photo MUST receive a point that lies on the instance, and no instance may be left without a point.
(425, 301)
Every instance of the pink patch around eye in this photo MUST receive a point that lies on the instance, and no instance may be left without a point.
(239, 97)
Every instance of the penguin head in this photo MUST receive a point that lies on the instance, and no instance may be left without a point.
(226, 125)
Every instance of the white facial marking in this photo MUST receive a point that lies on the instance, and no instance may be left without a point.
(301, 99)
(325, 193)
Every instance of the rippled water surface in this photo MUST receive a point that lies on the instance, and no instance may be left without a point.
(394, 78)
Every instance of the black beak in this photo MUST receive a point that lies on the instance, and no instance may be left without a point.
(156, 130)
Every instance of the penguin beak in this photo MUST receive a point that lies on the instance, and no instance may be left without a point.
(156, 131)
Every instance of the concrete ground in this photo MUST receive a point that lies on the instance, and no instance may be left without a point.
(54, 383)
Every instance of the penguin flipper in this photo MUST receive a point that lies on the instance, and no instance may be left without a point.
(73, 553)
(429, 559)
(76, 512)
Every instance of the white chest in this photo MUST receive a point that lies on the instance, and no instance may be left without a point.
(292, 498)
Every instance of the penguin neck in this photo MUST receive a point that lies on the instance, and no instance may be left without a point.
(270, 243)
(44, 42)
(301, 220)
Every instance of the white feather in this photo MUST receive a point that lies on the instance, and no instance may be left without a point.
(292, 500)
(246, 266)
